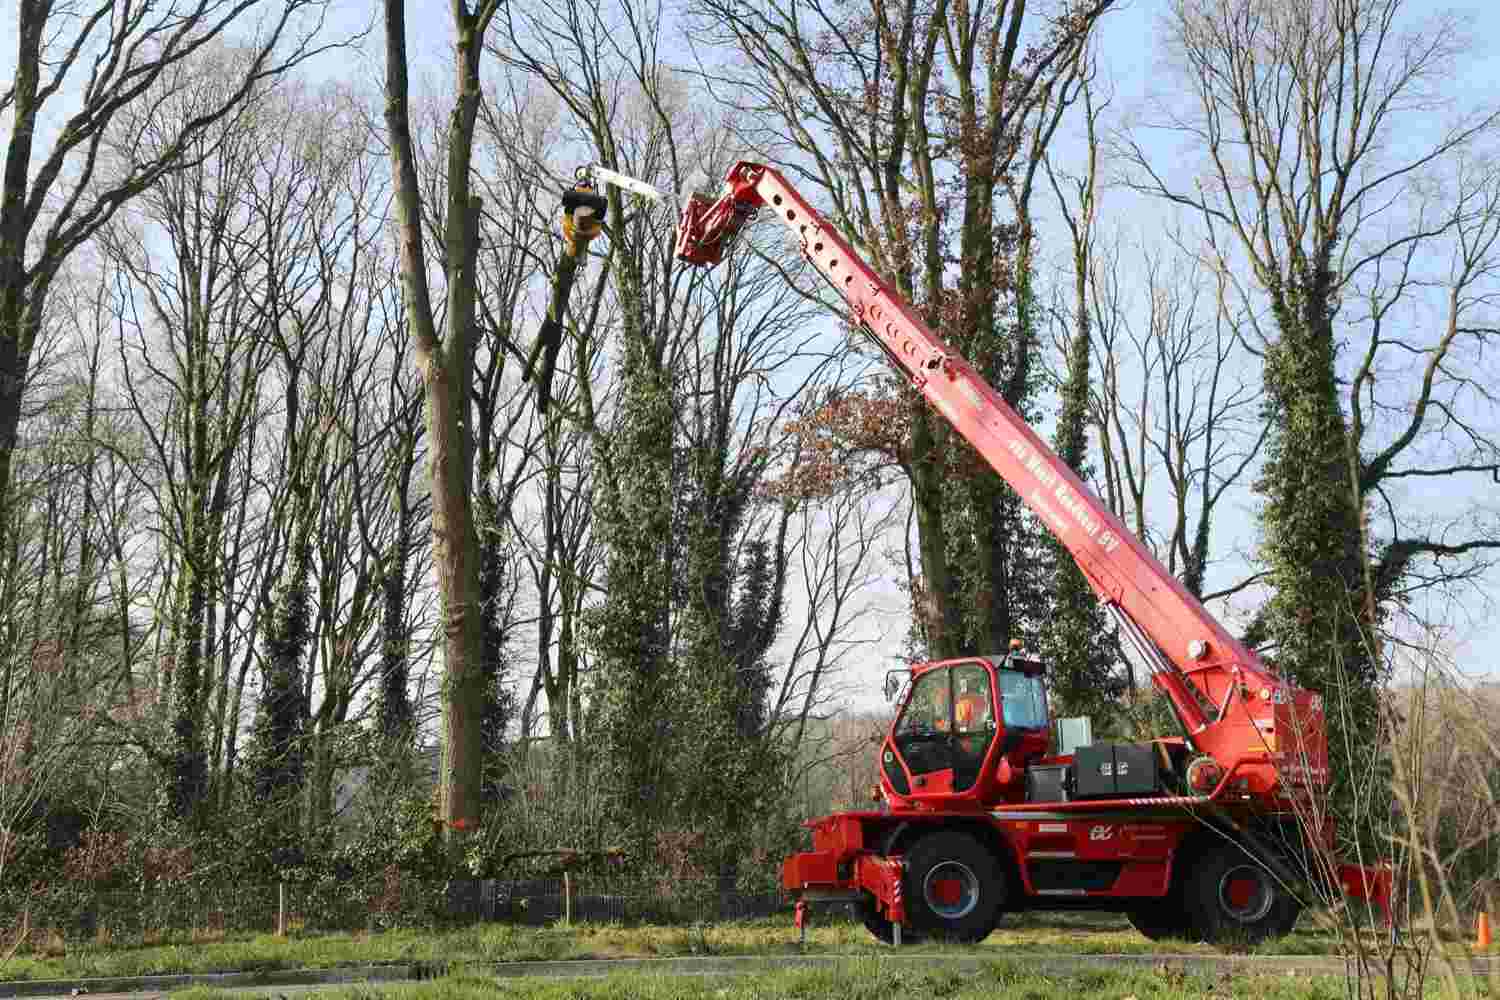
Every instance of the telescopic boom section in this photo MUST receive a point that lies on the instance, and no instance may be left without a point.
(1259, 729)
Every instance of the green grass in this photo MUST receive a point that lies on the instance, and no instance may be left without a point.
(486, 943)
(858, 979)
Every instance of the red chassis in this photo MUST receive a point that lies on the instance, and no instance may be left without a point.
(1129, 846)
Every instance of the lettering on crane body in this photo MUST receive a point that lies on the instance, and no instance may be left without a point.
(1056, 488)
(1039, 504)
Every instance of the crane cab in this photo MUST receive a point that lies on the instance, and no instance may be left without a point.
(964, 732)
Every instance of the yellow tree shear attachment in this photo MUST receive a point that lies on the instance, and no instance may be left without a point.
(583, 212)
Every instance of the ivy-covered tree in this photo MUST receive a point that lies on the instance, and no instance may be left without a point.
(1339, 176)
(498, 583)
(629, 632)
(277, 751)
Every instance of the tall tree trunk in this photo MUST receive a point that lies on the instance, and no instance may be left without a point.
(280, 725)
(394, 711)
(189, 778)
(499, 702)
(445, 365)
(1323, 626)
(20, 319)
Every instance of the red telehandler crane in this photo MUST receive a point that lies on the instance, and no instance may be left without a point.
(1208, 834)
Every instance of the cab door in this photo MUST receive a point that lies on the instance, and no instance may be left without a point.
(947, 728)
(921, 734)
(974, 727)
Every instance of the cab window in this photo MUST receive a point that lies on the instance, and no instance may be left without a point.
(927, 708)
(1025, 700)
(973, 707)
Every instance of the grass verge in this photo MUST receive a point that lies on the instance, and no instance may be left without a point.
(858, 979)
(1033, 933)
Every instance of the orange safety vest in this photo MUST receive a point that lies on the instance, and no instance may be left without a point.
(968, 711)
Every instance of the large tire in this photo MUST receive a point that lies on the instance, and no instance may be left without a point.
(1233, 899)
(1160, 919)
(954, 887)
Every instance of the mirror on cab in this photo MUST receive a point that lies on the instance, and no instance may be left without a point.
(894, 681)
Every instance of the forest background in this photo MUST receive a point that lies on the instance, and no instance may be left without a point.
(298, 580)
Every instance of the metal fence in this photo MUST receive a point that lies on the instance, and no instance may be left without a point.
(539, 901)
(208, 909)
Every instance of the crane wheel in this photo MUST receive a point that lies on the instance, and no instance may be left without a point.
(953, 887)
(1160, 919)
(1232, 898)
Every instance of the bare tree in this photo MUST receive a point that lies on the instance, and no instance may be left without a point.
(841, 525)
(1176, 399)
(192, 357)
(563, 568)
(509, 429)
(112, 58)
(393, 516)
(1075, 640)
(536, 489)
(315, 215)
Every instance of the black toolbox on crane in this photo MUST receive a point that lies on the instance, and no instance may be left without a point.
(1106, 770)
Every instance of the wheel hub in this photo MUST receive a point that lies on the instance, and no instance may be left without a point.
(951, 890)
(1245, 893)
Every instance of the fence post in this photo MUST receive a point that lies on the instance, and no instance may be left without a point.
(567, 899)
(281, 909)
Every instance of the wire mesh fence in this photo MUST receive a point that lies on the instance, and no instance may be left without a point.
(208, 909)
(537, 901)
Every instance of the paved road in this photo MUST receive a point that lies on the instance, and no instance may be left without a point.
(294, 982)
